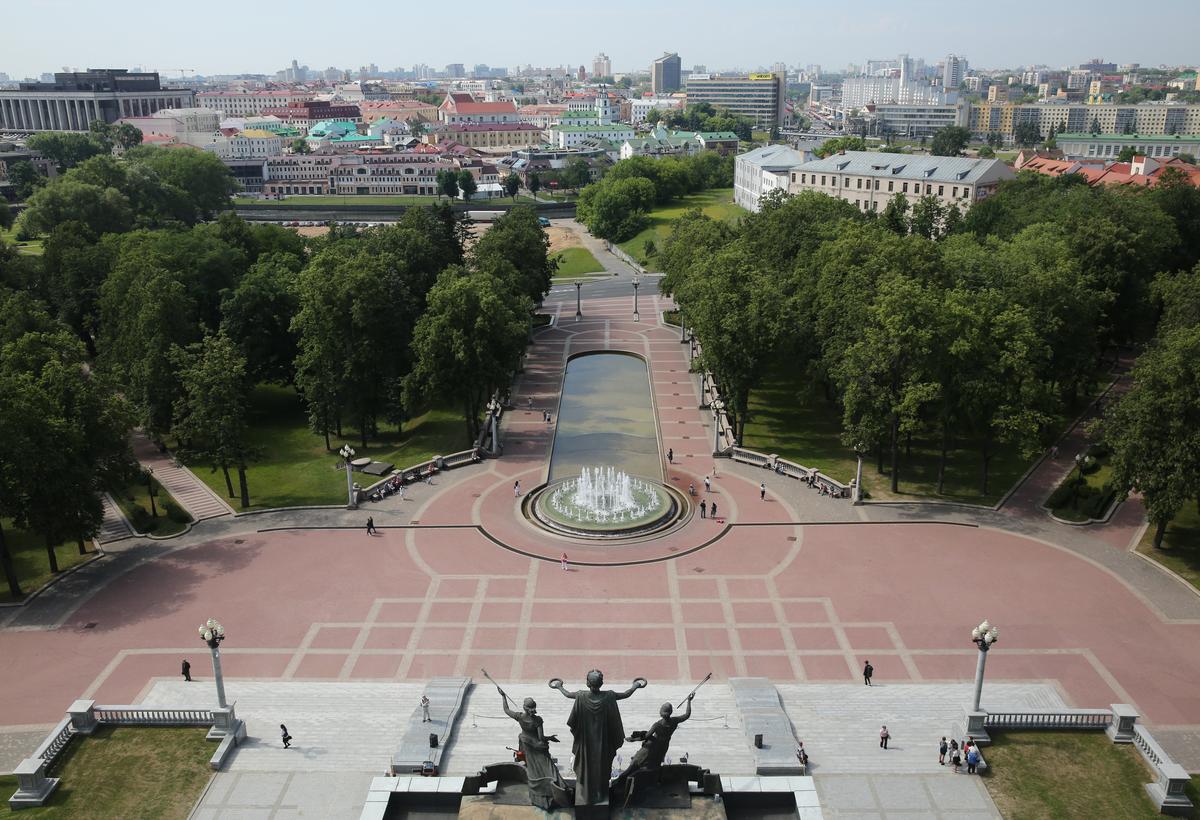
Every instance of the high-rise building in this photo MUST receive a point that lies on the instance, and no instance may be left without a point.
(664, 74)
(954, 71)
(74, 99)
(757, 96)
(601, 65)
(456, 70)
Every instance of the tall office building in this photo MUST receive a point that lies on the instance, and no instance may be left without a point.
(757, 96)
(74, 99)
(601, 65)
(954, 72)
(456, 70)
(665, 74)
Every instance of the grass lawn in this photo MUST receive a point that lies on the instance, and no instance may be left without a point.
(790, 417)
(296, 469)
(137, 495)
(716, 203)
(1066, 776)
(1074, 507)
(29, 559)
(1181, 544)
(32, 247)
(130, 773)
(576, 262)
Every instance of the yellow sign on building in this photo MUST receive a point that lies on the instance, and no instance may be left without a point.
(762, 76)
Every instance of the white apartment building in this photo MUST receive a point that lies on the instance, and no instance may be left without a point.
(189, 126)
(240, 102)
(868, 179)
(571, 136)
(758, 172)
(251, 144)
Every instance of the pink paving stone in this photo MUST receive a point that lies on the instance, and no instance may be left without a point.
(335, 637)
(815, 637)
(376, 666)
(506, 587)
(600, 638)
(399, 611)
(441, 637)
(701, 638)
(495, 637)
(453, 612)
(805, 612)
(251, 664)
(869, 637)
(321, 666)
(753, 613)
(711, 613)
(888, 668)
(721, 666)
(752, 588)
(500, 612)
(388, 637)
(702, 588)
(827, 667)
(498, 666)
(619, 668)
(631, 613)
(775, 667)
(760, 639)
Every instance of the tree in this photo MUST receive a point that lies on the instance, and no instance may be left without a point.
(1094, 128)
(577, 174)
(65, 149)
(950, 141)
(1051, 142)
(1188, 158)
(534, 184)
(257, 316)
(75, 266)
(986, 152)
(1127, 153)
(615, 209)
(1027, 134)
(101, 210)
(447, 182)
(1154, 428)
(201, 174)
(895, 215)
(517, 239)
(512, 184)
(210, 413)
(25, 178)
(466, 184)
(6, 216)
(833, 146)
(300, 146)
(468, 342)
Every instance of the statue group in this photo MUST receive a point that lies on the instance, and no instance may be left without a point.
(597, 733)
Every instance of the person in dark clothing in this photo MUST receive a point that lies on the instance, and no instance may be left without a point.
(703, 510)
(187, 670)
(670, 456)
(285, 737)
(868, 671)
(712, 510)
(884, 736)
(371, 526)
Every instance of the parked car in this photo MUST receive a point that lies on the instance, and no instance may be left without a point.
(545, 223)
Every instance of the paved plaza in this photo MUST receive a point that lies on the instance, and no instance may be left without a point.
(334, 632)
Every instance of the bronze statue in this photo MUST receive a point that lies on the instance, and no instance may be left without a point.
(655, 744)
(595, 723)
(533, 746)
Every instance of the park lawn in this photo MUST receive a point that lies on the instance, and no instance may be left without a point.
(1180, 551)
(1066, 776)
(716, 203)
(1072, 509)
(576, 262)
(137, 494)
(789, 417)
(33, 247)
(29, 559)
(126, 772)
(296, 470)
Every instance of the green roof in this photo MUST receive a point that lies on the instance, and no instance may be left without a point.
(1124, 138)
(717, 135)
(571, 115)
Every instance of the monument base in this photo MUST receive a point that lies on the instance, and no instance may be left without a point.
(483, 807)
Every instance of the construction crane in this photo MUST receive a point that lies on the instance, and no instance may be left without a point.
(183, 72)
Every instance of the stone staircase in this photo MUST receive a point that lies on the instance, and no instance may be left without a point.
(115, 527)
(189, 491)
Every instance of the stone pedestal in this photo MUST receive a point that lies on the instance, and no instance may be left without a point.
(33, 787)
(976, 729)
(1167, 791)
(83, 716)
(225, 722)
(1121, 728)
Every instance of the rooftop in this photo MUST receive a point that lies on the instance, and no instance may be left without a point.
(906, 166)
(1124, 138)
(773, 157)
(592, 129)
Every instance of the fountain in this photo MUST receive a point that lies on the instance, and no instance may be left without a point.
(604, 502)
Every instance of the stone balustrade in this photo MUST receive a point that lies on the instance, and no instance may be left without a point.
(1071, 719)
(141, 716)
(415, 472)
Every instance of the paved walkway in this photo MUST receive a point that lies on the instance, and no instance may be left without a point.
(192, 494)
(904, 797)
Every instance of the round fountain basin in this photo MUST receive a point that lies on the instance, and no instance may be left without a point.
(603, 503)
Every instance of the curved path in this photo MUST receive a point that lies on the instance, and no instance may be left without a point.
(796, 587)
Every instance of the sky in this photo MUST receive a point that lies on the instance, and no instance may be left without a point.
(224, 37)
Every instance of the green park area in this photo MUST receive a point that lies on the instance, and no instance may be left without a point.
(163, 517)
(31, 246)
(576, 262)
(716, 203)
(296, 469)
(133, 774)
(30, 562)
(1180, 550)
(1067, 776)
(1085, 494)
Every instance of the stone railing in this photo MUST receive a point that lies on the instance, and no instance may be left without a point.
(791, 469)
(58, 739)
(1071, 719)
(416, 472)
(751, 457)
(460, 459)
(624, 257)
(142, 716)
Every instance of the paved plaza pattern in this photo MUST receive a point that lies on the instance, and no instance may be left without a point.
(798, 588)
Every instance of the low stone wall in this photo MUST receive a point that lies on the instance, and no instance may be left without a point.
(413, 473)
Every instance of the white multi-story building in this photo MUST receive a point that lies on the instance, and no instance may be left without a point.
(240, 102)
(954, 71)
(188, 126)
(570, 136)
(601, 65)
(868, 179)
(758, 172)
(250, 144)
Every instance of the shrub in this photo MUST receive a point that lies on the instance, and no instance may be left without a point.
(1065, 494)
(1090, 465)
(176, 513)
(1101, 450)
(141, 519)
(1098, 504)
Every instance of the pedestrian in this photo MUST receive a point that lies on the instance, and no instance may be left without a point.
(762, 491)
(187, 670)
(549, 418)
(670, 455)
(400, 491)
(371, 525)
(955, 757)
(972, 760)
(1054, 452)
(868, 671)
(707, 484)
(942, 749)
(516, 488)
(714, 468)
(425, 718)
(287, 738)
(563, 560)
(884, 734)
(703, 509)
(712, 510)
(529, 402)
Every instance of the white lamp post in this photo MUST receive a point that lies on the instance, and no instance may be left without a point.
(717, 407)
(578, 300)
(213, 633)
(347, 453)
(858, 451)
(983, 636)
(636, 284)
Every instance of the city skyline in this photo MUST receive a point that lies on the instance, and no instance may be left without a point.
(633, 35)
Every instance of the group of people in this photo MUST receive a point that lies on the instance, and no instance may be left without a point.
(968, 752)
(393, 486)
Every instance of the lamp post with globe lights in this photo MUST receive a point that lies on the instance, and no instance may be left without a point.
(637, 282)
(213, 633)
(983, 636)
(347, 453)
(718, 407)
(578, 300)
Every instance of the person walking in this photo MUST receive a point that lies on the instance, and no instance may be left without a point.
(884, 734)
(371, 525)
(942, 749)
(670, 455)
(703, 509)
(425, 718)
(868, 671)
(707, 484)
(187, 670)
(517, 488)
(285, 736)
(712, 512)
(563, 562)
(762, 491)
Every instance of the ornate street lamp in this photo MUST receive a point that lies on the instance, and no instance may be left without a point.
(636, 284)
(859, 449)
(983, 636)
(213, 633)
(578, 302)
(347, 453)
(718, 407)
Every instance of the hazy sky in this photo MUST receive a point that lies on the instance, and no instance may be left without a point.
(221, 36)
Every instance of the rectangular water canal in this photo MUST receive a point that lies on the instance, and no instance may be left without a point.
(606, 418)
